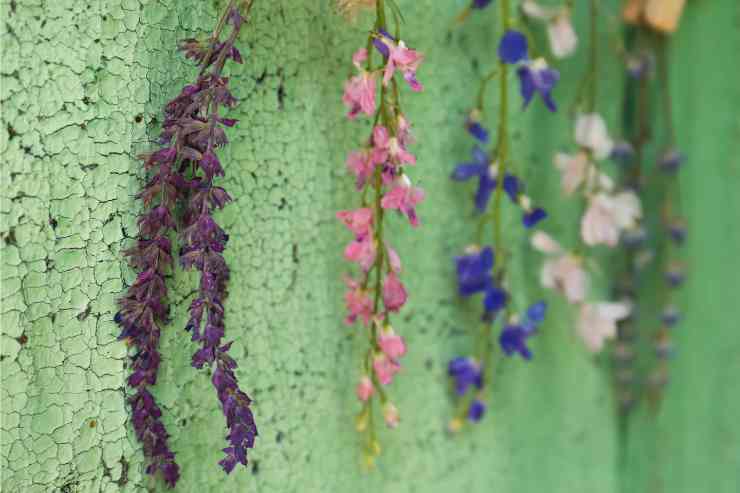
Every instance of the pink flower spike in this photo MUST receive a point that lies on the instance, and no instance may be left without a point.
(394, 293)
(391, 343)
(358, 301)
(404, 197)
(365, 388)
(359, 95)
(391, 415)
(362, 251)
(360, 163)
(385, 368)
(359, 221)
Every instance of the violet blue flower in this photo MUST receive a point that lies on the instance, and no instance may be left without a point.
(465, 372)
(513, 47)
(480, 4)
(474, 271)
(476, 410)
(536, 77)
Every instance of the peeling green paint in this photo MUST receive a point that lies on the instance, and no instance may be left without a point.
(82, 87)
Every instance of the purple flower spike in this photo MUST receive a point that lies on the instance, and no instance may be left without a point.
(192, 131)
(531, 218)
(537, 77)
(513, 47)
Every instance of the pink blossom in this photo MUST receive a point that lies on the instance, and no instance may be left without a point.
(359, 95)
(403, 132)
(359, 221)
(391, 415)
(391, 343)
(385, 368)
(563, 38)
(393, 259)
(358, 301)
(591, 133)
(563, 272)
(387, 149)
(403, 59)
(607, 215)
(362, 251)
(364, 388)
(404, 197)
(360, 163)
(598, 322)
(573, 169)
(394, 293)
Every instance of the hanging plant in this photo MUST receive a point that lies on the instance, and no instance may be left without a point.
(182, 174)
(482, 268)
(376, 292)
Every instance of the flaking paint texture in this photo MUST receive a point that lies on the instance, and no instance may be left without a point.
(82, 87)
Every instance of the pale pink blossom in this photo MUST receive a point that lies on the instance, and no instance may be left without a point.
(394, 293)
(391, 415)
(404, 198)
(360, 163)
(598, 322)
(607, 215)
(403, 59)
(563, 38)
(391, 343)
(364, 388)
(591, 133)
(359, 221)
(358, 301)
(563, 271)
(387, 149)
(573, 169)
(385, 368)
(362, 251)
(403, 132)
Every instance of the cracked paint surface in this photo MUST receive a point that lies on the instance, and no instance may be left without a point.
(82, 88)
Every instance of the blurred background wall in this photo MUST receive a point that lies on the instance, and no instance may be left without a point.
(82, 88)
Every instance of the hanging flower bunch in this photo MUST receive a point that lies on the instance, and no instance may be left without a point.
(611, 213)
(482, 268)
(382, 185)
(182, 173)
(669, 230)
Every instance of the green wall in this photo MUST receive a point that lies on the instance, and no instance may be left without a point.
(82, 87)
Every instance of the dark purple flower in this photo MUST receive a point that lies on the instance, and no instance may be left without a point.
(622, 152)
(670, 316)
(677, 230)
(513, 47)
(380, 45)
(480, 4)
(671, 160)
(465, 372)
(536, 77)
(479, 167)
(476, 410)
